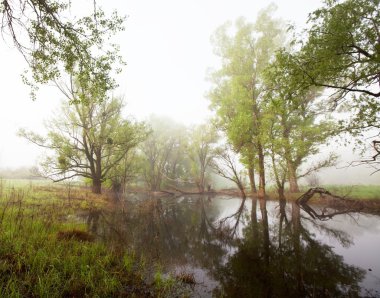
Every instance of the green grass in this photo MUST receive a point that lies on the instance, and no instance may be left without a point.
(358, 192)
(38, 259)
(368, 192)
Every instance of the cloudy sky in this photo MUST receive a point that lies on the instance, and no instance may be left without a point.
(167, 48)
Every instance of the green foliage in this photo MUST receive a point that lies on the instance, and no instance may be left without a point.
(60, 43)
(79, 139)
(201, 150)
(237, 94)
(163, 158)
(342, 52)
(298, 126)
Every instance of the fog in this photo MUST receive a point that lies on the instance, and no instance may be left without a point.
(167, 48)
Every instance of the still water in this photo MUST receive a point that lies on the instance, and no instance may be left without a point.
(250, 248)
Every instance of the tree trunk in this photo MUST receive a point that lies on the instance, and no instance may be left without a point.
(241, 188)
(96, 186)
(293, 184)
(97, 175)
(281, 192)
(251, 175)
(292, 176)
(279, 181)
(202, 179)
(116, 187)
(261, 192)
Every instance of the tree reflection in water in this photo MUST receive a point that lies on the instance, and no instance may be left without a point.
(269, 258)
(289, 263)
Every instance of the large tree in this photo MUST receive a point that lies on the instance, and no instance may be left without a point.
(237, 94)
(343, 48)
(87, 140)
(342, 53)
(54, 41)
(298, 126)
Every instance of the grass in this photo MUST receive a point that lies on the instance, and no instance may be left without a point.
(42, 254)
(368, 192)
(359, 192)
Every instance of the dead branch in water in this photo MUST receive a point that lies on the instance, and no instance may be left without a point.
(316, 190)
(341, 204)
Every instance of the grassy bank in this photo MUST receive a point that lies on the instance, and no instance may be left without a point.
(366, 192)
(358, 192)
(45, 251)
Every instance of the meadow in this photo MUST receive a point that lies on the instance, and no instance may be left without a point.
(45, 251)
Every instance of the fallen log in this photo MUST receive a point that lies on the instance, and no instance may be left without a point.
(316, 190)
(340, 205)
(192, 193)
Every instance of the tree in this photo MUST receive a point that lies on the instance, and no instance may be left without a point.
(124, 172)
(163, 152)
(58, 42)
(225, 164)
(238, 84)
(298, 127)
(342, 50)
(87, 140)
(202, 139)
(342, 53)
(247, 158)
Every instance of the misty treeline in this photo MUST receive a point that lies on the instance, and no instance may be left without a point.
(277, 95)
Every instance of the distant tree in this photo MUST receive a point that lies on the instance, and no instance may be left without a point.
(313, 180)
(163, 152)
(124, 173)
(54, 42)
(88, 140)
(201, 150)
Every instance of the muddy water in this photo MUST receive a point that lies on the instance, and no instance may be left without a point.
(248, 248)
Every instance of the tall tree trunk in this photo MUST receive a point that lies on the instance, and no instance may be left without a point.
(292, 176)
(97, 174)
(96, 186)
(202, 180)
(251, 175)
(261, 192)
(241, 188)
(279, 181)
(293, 184)
(281, 193)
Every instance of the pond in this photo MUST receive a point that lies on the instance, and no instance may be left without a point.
(249, 248)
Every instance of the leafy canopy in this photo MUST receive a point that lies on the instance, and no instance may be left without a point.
(54, 42)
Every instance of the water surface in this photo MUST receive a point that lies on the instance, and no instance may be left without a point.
(250, 248)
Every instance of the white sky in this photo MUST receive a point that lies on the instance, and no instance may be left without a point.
(167, 48)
